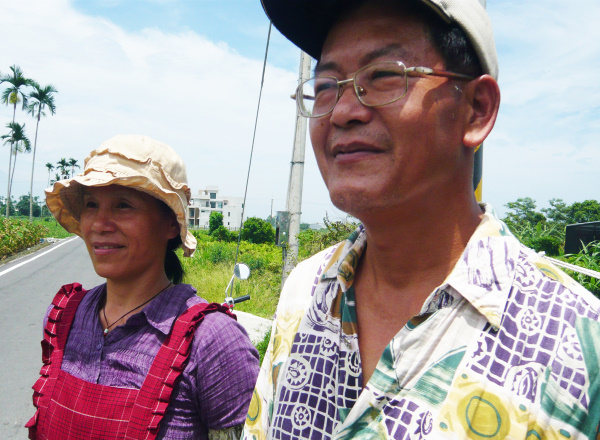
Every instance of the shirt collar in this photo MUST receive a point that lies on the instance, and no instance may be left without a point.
(166, 307)
(483, 274)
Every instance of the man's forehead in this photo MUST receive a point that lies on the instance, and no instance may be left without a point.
(396, 50)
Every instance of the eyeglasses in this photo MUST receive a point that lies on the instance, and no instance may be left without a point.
(375, 85)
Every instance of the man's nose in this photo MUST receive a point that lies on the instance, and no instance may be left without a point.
(348, 106)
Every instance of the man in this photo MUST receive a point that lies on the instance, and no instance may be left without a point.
(431, 321)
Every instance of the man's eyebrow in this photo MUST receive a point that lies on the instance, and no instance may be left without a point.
(320, 67)
(391, 49)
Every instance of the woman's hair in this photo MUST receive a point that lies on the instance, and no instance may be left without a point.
(172, 266)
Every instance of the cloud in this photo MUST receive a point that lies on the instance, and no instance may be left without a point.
(199, 94)
(181, 88)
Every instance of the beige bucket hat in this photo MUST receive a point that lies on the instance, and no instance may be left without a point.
(134, 161)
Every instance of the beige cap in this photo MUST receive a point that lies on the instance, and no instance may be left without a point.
(306, 23)
(134, 161)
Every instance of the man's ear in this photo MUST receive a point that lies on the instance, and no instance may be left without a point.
(483, 96)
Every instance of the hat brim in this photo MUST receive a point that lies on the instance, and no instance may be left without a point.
(65, 198)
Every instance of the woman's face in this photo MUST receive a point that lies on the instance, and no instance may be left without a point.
(126, 232)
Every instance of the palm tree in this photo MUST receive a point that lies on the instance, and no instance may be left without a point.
(73, 164)
(50, 168)
(62, 165)
(41, 98)
(13, 95)
(19, 142)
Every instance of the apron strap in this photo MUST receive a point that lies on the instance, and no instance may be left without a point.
(154, 396)
(56, 332)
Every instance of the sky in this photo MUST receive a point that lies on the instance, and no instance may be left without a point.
(188, 73)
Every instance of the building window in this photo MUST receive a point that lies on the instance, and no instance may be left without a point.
(213, 204)
(213, 195)
(228, 214)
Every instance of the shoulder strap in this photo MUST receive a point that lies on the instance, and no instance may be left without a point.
(56, 332)
(154, 396)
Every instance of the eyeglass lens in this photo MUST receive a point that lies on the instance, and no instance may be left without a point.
(376, 84)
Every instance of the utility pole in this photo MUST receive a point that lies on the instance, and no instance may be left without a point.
(294, 195)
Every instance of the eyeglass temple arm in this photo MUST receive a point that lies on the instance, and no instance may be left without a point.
(294, 97)
(427, 71)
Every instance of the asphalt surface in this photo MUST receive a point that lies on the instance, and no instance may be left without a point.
(27, 285)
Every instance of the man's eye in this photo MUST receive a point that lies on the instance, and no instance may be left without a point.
(385, 74)
(89, 204)
(324, 86)
(123, 205)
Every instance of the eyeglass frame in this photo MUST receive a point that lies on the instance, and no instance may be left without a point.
(417, 71)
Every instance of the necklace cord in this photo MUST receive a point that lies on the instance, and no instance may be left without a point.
(107, 328)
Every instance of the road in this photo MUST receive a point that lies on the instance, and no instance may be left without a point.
(27, 286)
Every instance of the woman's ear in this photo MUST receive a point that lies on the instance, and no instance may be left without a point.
(483, 98)
(173, 226)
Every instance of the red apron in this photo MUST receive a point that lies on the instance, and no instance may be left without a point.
(71, 408)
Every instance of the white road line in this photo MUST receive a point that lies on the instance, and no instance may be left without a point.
(37, 256)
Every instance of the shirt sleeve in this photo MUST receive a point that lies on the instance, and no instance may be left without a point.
(227, 370)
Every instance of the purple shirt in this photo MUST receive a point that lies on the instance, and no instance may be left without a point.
(215, 388)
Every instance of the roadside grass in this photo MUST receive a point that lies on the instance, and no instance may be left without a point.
(55, 230)
(211, 268)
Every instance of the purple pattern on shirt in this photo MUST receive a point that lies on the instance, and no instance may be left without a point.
(216, 386)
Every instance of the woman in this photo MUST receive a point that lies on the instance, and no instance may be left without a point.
(131, 358)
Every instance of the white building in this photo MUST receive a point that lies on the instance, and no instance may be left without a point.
(208, 200)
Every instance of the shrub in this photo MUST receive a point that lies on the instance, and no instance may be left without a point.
(256, 230)
(588, 257)
(18, 235)
(223, 234)
(214, 221)
(550, 245)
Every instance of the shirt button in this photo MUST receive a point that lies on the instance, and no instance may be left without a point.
(99, 346)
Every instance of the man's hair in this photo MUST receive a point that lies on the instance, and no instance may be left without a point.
(448, 38)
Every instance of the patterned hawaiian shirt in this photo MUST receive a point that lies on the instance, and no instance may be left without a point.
(509, 349)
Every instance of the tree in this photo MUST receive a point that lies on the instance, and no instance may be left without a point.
(23, 205)
(41, 97)
(558, 212)
(50, 168)
(256, 230)
(524, 213)
(583, 212)
(12, 96)
(18, 142)
(62, 165)
(11, 205)
(14, 93)
(214, 221)
(73, 164)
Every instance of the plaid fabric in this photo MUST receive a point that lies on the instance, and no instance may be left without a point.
(71, 408)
